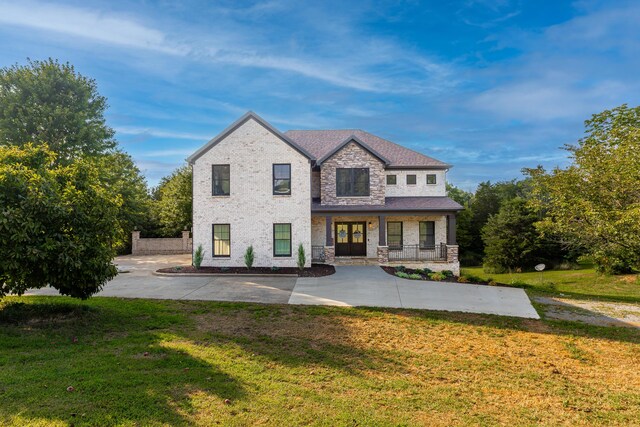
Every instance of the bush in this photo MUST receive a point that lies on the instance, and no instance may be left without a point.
(427, 270)
(275, 268)
(419, 271)
(248, 257)
(436, 276)
(463, 279)
(198, 256)
(447, 273)
(302, 258)
(223, 269)
(473, 278)
(402, 274)
(400, 268)
(492, 282)
(415, 277)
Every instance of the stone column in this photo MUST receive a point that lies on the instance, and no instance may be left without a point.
(329, 254)
(452, 259)
(185, 242)
(135, 237)
(383, 254)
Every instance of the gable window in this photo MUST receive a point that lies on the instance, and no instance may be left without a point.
(427, 234)
(282, 179)
(281, 240)
(221, 180)
(391, 180)
(352, 182)
(431, 178)
(221, 240)
(411, 180)
(394, 234)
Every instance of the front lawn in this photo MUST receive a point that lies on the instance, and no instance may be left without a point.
(141, 362)
(582, 283)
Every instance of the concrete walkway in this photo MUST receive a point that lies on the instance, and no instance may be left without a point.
(371, 286)
(350, 286)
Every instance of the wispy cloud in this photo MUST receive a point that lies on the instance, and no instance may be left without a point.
(87, 23)
(159, 133)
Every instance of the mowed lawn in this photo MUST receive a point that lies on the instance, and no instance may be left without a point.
(142, 362)
(582, 283)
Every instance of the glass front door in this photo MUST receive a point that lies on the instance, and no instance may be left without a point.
(351, 238)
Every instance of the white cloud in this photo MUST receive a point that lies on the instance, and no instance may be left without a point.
(86, 23)
(159, 133)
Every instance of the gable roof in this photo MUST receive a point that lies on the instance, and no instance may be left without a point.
(357, 141)
(321, 143)
(235, 125)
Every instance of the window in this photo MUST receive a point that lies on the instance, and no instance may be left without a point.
(411, 180)
(352, 182)
(221, 240)
(391, 180)
(431, 178)
(394, 234)
(281, 179)
(281, 239)
(427, 234)
(221, 180)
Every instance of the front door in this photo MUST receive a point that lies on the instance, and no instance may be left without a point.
(351, 239)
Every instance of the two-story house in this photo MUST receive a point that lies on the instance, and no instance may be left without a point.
(342, 194)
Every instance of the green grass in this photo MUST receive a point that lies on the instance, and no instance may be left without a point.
(582, 283)
(288, 365)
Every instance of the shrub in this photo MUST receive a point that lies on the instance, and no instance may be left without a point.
(248, 257)
(415, 277)
(419, 271)
(437, 276)
(473, 278)
(463, 279)
(427, 270)
(492, 282)
(275, 268)
(400, 268)
(447, 273)
(402, 274)
(198, 256)
(302, 258)
(223, 269)
(177, 268)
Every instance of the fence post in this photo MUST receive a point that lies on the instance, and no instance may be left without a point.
(185, 241)
(135, 237)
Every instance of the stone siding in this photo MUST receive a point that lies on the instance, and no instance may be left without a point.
(161, 245)
(251, 209)
(352, 156)
(315, 184)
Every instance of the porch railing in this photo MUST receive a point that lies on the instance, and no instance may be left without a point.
(418, 253)
(317, 254)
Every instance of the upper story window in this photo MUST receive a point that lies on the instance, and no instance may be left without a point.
(391, 180)
(352, 182)
(411, 180)
(282, 179)
(431, 178)
(221, 180)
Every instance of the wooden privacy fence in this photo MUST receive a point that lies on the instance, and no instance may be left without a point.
(161, 245)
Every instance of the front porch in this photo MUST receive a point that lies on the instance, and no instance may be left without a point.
(426, 239)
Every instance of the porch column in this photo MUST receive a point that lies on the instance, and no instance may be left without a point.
(328, 238)
(451, 229)
(382, 229)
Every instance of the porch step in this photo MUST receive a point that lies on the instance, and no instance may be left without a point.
(355, 261)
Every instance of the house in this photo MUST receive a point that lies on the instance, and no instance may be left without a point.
(342, 194)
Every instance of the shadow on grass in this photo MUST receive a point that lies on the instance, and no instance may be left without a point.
(111, 353)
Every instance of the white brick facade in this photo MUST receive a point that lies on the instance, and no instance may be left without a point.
(421, 188)
(251, 209)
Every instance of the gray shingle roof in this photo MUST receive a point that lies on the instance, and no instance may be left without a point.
(408, 204)
(322, 142)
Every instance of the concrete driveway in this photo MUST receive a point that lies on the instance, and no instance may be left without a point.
(371, 286)
(350, 286)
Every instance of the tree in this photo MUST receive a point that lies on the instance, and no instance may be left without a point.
(464, 234)
(58, 224)
(173, 202)
(512, 240)
(594, 204)
(46, 102)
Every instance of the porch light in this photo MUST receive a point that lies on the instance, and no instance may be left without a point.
(370, 225)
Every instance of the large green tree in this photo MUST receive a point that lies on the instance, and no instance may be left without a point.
(58, 224)
(594, 204)
(173, 202)
(48, 102)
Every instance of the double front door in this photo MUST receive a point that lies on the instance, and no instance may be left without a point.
(351, 238)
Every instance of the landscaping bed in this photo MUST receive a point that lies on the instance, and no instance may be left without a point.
(441, 276)
(316, 270)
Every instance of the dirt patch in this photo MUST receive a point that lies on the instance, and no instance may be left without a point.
(600, 313)
(316, 270)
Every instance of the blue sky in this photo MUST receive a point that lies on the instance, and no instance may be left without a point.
(489, 86)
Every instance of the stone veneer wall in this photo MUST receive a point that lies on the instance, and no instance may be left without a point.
(161, 245)
(352, 156)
